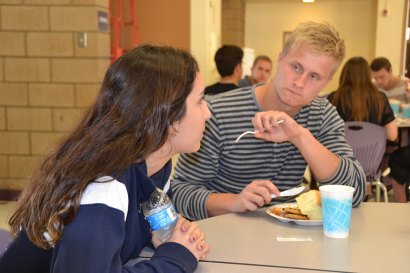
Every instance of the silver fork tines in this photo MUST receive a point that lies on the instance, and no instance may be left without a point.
(245, 133)
(253, 132)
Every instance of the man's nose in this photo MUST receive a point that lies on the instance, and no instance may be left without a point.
(300, 80)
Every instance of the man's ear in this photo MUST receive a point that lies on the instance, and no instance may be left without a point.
(238, 67)
(238, 70)
(280, 56)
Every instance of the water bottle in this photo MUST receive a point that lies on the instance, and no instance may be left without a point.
(160, 213)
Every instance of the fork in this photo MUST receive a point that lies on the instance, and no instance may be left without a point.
(253, 132)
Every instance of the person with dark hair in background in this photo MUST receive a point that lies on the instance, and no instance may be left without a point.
(81, 211)
(260, 72)
(395, 87)
(228, 60)
(294, 129)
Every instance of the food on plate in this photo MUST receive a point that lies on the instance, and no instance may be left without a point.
(308, 207)
(289, 212)
(310, 204)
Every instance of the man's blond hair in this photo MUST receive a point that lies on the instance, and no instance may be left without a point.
(321, 38)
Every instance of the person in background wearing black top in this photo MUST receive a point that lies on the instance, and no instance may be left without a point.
(358, 99)
(228, 60)
(81, 211)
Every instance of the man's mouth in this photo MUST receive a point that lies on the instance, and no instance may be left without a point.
(293, 92)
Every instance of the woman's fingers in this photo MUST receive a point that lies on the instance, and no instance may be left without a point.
(185, 225)
(197, 236)
(191, 236)
(205, 249)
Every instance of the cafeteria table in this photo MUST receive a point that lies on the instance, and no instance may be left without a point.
(379, 241)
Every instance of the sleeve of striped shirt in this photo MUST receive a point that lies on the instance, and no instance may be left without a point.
(194, 171)
(349, 172)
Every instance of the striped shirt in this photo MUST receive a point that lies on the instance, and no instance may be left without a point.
(223, 166)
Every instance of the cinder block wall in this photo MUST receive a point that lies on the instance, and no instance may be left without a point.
(233, 22)
(46, 79)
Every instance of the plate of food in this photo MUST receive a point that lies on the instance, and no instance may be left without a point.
(307, 210)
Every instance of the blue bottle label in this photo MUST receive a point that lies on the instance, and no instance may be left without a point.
(162, 218)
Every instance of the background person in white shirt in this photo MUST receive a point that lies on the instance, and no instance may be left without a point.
(395, 87)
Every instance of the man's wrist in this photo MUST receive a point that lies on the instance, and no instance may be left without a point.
(220, 203)
(302, 138)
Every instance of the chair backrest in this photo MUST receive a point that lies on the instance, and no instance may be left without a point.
(368, 142)
(5, 239)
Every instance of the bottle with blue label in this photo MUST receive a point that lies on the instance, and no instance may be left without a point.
(160, 213)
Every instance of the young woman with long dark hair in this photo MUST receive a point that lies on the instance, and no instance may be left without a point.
(81, 211)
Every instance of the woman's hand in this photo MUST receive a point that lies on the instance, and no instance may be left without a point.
(189, 235)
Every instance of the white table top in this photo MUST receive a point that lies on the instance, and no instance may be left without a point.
(379, 241)
(206, 267)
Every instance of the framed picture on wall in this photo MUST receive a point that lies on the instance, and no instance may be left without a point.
(285, 35)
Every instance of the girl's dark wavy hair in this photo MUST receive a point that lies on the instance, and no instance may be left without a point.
(142, 95)
(357, 96)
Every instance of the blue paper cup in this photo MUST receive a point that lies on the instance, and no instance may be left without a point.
(336, 210)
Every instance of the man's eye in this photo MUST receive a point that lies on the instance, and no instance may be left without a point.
(296, 67)
(314, 77)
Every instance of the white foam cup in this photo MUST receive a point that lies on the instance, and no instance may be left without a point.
(336, 209)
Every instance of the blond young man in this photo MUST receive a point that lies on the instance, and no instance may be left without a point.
(225, 176)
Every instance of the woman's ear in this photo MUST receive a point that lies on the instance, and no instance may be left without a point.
(173, 129)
